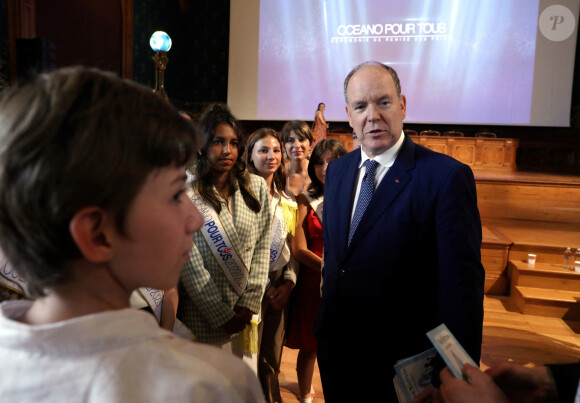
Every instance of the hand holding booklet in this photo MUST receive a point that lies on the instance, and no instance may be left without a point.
(413, 374)
(450, 350)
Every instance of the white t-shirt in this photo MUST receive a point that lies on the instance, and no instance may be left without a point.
(114, 356)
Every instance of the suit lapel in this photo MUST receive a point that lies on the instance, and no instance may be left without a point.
(337, 206)
(389, 189)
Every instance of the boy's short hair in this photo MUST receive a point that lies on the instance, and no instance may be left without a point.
(74, 138)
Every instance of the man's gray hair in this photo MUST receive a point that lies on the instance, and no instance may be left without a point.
(373, 63)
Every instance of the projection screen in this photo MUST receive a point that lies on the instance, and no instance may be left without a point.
(492, 62)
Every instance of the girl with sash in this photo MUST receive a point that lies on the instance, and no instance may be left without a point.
(297, 140)
(307, 248)
(222, 284)
(264, 157)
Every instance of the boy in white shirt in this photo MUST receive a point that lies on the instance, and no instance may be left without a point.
(92, 207)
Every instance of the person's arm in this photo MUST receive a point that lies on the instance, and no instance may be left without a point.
(169, 308)
(461, 274)
(251, 299)
(279, 296)
(321, 118)
(299, 244)
(480, 387)
(292, 269)
(241, 319)
(202, 289)
(505, 383)
(523, 384)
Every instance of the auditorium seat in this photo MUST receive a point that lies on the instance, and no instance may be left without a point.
(486, 134)
(452, 133)
(410, 132)
(430, 133)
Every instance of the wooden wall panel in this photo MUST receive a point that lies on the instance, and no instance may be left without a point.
(536, 202)
(465, 153)
(478, 153)
(84, 32)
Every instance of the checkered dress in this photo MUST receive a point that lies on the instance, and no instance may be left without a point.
(206, 297)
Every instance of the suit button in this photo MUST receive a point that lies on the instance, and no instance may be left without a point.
(342, 272)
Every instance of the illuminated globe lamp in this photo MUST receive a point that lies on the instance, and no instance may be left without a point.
(160, 42)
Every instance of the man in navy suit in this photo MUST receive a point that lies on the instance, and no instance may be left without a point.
(410, 262)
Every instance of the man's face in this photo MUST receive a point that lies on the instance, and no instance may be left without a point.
(375, 111)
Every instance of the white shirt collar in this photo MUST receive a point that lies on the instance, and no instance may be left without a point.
(387, 157)
(97, 332)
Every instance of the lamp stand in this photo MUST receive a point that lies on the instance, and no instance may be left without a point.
(161, 60)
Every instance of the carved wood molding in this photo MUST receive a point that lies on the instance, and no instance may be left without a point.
(483, 153)
(127, 40)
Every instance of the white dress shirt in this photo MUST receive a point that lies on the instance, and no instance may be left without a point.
(386, 160)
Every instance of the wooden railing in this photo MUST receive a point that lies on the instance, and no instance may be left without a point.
(477, 152)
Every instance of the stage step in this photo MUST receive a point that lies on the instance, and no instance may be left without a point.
(547, 240)
(544, 275)
(544, 302)
(495, 248)
(545, 289)
(505, 239)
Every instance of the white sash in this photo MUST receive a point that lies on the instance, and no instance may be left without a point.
(316, 205)
(278, 237)
(10, 279)
(220, 245)
(154, 299)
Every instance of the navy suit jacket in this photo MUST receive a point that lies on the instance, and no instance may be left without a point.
(566, 379)
(413, 263)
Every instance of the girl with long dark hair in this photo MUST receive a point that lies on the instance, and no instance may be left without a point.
(223, 282)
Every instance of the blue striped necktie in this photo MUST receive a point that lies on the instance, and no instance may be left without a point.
(367, 189)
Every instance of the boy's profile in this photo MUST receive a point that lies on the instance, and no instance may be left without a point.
(93, 206)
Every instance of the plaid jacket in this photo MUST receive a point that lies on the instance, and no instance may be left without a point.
(206, 297)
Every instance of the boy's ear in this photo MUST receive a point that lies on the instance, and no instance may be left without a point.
(91, 229)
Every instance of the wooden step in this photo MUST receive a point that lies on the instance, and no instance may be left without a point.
(494, 257)
(544, 254)
(543, 276)
(529, 197)
(548, 240)
(545, 302)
